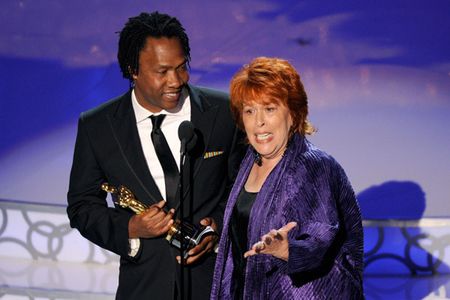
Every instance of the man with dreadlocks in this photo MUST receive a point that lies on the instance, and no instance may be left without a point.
(120, 143)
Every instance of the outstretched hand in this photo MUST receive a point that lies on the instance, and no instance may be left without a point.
(274, 243)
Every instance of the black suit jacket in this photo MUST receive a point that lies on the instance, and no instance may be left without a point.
(108, 149)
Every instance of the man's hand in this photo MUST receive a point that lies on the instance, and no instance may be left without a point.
(274, 243)
(153, 222)
(206, 244)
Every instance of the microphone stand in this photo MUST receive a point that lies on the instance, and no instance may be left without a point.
(181, 216)
(186, 135)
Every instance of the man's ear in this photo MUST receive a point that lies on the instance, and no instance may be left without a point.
(132, 73)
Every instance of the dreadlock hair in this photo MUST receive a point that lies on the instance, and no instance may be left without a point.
(135, 33)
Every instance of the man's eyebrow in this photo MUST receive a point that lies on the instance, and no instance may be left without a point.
(183, 63)
(168, 67)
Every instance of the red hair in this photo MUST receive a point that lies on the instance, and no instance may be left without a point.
(276, 79)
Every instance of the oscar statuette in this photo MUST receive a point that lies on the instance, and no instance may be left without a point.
(180, 234)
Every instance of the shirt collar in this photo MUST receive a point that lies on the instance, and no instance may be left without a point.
(143, 114)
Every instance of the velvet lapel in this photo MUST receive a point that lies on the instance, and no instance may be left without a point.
(124, 130)
(224, 262)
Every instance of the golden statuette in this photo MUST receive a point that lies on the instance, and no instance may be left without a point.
(180, 233)
(125, 198)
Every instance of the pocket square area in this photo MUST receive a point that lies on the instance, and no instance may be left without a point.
(212, 154)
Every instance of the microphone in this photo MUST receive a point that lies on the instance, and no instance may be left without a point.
(187, 136)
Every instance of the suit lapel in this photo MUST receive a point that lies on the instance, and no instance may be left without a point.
(124, 130)
(203, 116)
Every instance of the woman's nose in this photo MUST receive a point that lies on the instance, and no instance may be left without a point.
(259, 119)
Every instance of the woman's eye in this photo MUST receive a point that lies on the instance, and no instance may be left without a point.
(271, 109)
(248, 111)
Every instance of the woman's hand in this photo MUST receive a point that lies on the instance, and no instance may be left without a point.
(274, 243)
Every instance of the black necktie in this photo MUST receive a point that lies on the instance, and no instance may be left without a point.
(166, 159)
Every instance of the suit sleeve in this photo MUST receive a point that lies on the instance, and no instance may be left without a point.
(87, 206)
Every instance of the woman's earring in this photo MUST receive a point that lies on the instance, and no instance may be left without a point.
(258, 159)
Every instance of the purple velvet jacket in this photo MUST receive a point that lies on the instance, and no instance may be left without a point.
(325, 249)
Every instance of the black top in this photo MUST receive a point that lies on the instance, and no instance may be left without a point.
(238, 234)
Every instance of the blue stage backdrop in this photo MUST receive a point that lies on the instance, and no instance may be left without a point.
(377, 74)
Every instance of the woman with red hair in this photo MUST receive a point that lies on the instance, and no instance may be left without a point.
(292, 227)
